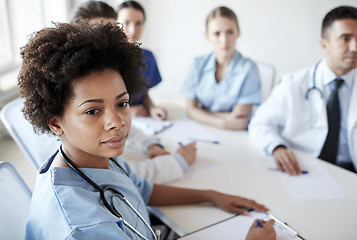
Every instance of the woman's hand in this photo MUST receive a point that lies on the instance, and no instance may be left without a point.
(235, 204)
(266, 232)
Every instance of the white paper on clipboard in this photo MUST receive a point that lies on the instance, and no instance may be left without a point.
(236, 227)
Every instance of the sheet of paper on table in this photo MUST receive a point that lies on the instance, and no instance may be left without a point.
(235, 228)
(186, 131)
(317, 184)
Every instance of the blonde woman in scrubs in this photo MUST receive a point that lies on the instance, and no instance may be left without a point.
(222, 87)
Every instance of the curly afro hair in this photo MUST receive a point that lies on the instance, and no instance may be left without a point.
(55, 57)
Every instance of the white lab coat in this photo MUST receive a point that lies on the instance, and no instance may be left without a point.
(160, 169)
(287, 118)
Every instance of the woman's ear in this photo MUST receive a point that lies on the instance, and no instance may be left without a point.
(55, 125)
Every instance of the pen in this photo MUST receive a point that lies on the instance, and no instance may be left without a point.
(259, 224)
(162, 129)
(302, 171)
(204, 140)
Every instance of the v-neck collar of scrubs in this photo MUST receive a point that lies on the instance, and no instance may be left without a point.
(211, 66)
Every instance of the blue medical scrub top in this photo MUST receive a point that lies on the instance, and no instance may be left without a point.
(65, 206)
(241, 85)
(152, 74)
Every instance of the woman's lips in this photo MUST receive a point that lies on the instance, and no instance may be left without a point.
(115, 141)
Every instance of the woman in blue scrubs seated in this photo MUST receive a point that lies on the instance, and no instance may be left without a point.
(222, 87)
(77, 80)
(132, 15)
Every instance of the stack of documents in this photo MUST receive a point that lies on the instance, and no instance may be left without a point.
(151, 126)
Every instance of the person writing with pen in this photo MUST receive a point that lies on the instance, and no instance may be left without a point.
(77, 80)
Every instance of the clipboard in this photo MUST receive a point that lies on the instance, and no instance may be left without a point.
(237, 227)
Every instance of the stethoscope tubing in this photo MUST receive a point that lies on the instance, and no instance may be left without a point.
(314, 83)
(101, 191)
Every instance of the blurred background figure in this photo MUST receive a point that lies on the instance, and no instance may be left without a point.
(222, 87)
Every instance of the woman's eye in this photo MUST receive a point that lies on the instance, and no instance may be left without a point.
(123, 104)
(92, 111)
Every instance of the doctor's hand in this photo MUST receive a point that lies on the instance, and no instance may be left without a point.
(188, 152)
(158, 112)
(285, 161)
(139, 111)
(155, 150)
(235, 204)
(266, 232)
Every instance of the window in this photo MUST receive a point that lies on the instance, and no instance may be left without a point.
(18, 19)
(6, 57)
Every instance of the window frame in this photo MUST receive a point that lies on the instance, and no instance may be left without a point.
(10, 64)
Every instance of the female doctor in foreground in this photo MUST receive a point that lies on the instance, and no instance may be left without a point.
(76, 80)
(222, 87)
(161, 167)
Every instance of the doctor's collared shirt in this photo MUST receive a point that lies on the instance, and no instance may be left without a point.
(344, 94)
(65, 206)
(325, 75)
(241, 85)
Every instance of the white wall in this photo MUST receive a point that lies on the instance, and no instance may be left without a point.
(285, 33)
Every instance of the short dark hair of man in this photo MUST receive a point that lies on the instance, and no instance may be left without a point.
(339, 13)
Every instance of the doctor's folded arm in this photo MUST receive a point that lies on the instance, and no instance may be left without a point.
(314, 110)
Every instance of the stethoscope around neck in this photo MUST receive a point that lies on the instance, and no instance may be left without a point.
(115, 191)
(314, 88)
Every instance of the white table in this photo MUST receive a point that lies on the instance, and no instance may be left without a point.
(242, 169)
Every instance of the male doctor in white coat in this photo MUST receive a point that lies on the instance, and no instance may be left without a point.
(297, 114)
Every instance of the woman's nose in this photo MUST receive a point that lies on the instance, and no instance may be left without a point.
(113, 121)
(131, 29)
(223, 38)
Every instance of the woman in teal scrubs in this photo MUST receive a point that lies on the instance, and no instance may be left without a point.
(222, 87)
